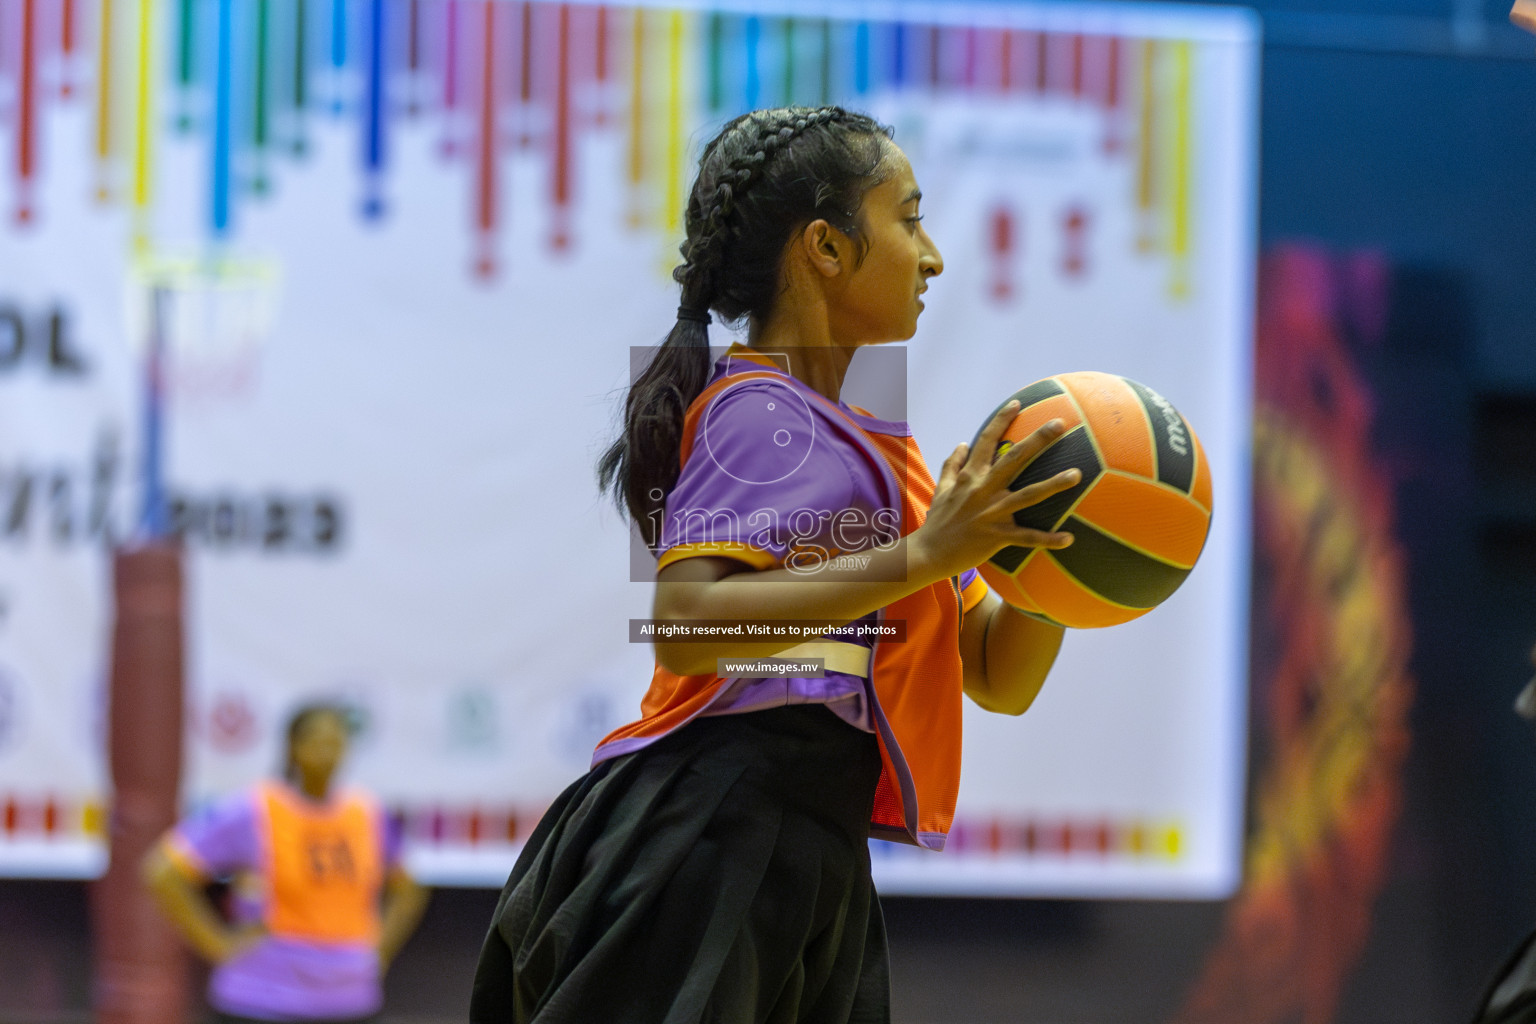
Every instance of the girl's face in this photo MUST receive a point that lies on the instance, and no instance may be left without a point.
(882, 299)
(320, 745)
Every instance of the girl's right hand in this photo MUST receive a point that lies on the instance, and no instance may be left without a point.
(971, 517)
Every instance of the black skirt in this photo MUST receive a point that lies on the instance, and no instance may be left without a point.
(720, 874)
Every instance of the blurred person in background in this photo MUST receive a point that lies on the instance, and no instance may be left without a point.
(1510, 997)
(320, 902)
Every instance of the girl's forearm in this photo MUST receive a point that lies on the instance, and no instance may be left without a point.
(186, 907)
(1019, 654)
(829, 597)
(404, 903)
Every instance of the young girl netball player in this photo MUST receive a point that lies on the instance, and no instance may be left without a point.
(322, 902)
(713, 864)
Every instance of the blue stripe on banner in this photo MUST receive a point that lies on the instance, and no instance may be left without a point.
(752, 37)
(223, 112)
(861, 58)
(373, 146)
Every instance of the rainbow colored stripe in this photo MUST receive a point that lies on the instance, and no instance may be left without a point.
(48, 816)
(248, 78)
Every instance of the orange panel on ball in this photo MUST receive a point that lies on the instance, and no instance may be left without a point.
(1117, 419)
(1068, 601)
(1147, 516)
(1033, 417)
(1007, 588)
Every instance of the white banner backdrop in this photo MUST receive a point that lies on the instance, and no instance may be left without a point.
(391, 501)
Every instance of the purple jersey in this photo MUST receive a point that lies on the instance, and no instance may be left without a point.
(767, 485)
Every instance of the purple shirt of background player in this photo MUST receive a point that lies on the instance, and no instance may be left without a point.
(279, 977)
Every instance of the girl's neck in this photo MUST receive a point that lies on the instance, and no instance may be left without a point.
(316, 789)
(809, 355)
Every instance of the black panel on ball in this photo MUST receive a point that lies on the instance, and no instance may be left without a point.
(1074, 449)
(1114, 571)
(1010, 558)
(1173, 440)
(1039, 391)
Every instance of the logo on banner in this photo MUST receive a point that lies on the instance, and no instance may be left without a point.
(584, 720)
(231, 725)
(472, 721)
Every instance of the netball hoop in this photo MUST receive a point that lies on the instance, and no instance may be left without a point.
(210, 316)
(197, 325)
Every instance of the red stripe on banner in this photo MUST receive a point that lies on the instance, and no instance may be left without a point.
(1114, 96)
(562, 146)
(1074, 247)
(600, 64)
(67, 41)
(485, 191)
(1077, 66)
(26, 115)
(1112, 91)
(1005, 62)
(525, 62)
(1042, 61)
(1004, 236)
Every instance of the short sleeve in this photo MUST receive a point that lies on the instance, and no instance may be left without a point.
(218, 840)
(764, 473)
(972, 589)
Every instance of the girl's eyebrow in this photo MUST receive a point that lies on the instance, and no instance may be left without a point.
(915, 195)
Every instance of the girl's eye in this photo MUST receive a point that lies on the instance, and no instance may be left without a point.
(913, 220)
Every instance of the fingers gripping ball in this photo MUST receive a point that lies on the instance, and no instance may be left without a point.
(1139, 516)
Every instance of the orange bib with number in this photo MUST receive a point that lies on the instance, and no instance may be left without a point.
(323, 865)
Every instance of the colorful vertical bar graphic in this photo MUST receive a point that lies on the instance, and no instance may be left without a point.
(26, 113)
(547, 77)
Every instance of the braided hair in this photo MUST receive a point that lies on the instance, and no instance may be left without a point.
(764, 177)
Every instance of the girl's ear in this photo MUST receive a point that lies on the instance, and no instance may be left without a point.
(826, 248)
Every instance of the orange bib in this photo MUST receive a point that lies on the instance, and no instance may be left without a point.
(917, 685)
(323, 866)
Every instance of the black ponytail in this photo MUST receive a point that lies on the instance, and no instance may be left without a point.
(641, 466)
(763, 177)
